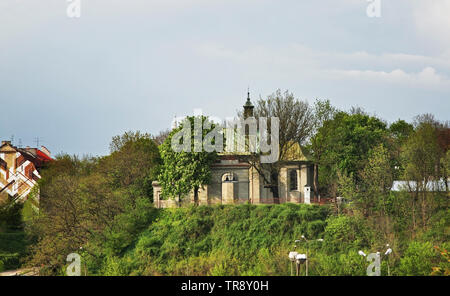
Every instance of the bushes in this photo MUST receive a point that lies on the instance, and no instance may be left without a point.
(419, 259)
(339, 264)
(255, 240)
(11, 216)
(13, 241)
(222, 240)
(347, 233)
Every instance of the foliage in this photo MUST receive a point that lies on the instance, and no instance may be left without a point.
(222, 240)
(419, 259)
(444, 269)
(343, 144)
(132, 164)
(296, 125)
(399, 132)
(295, 117)
(13, 240)
(376, 179)
(98, 204)
(10, 216)
(184, 171)
(347, 233)
(422, 155)
(102, 207)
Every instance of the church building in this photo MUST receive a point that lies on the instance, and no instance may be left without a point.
(235, 181)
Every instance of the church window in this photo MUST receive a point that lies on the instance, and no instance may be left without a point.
(293, 180)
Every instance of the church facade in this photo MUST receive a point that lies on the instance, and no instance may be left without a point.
(235, 181)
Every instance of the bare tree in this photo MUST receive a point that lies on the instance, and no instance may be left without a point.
(161, 137)
(297, 122)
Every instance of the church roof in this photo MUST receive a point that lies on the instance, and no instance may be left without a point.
(248, 103)
(296, 152)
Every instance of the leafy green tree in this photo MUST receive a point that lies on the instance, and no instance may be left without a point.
(343, 144)
(94, 203)
(132, 164)
(377, 179)
(323, 112)
(182, 172)
(399, 132)
(421, 155)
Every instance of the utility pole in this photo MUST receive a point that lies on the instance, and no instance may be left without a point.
(37, 141)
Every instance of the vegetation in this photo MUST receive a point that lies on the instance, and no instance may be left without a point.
(189, 169)
(13, 239)
(101, 208)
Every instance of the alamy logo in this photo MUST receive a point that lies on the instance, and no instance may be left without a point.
(374, 8)
(74, 268)
(241, 135)
(374, 268)
(74, 8)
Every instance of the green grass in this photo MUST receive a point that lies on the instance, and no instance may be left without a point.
(220, 240)
(12, 249)
(255, 240)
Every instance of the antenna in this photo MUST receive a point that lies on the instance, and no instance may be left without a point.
(20, 143)
(12, 139)
(37, 141)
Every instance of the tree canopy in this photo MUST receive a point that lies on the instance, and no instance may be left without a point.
(185, 171)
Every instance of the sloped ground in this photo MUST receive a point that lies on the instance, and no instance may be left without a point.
(21, 272)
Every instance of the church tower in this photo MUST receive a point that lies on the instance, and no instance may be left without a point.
(248, 107)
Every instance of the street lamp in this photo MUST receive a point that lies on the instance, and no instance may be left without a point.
(386, 254)
(307, 249)
(292, 258)
(85, 266)
(301, 258)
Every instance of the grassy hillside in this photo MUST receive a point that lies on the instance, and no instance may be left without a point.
(255, 240)
(13, 240)
(222, 240)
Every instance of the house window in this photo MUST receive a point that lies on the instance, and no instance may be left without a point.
(293, 180)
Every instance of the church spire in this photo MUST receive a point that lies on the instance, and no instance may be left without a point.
(248, 107)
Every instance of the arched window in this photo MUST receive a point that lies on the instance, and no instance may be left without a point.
(229, 177)
(293, 180)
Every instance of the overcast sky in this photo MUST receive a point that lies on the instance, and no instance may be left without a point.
(134, 65)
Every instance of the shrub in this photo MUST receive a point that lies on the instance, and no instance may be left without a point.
(419, 259)
(347, 233)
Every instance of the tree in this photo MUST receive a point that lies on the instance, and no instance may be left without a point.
(401, 130)
(399, 134)
(295, 116)
(83, 202)
(161, 137)
(323, 112)
(185, 171)
(343, 144)
(421, 155)
(132, 164)
(445, 163)
(296, 124)
(377, 178)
